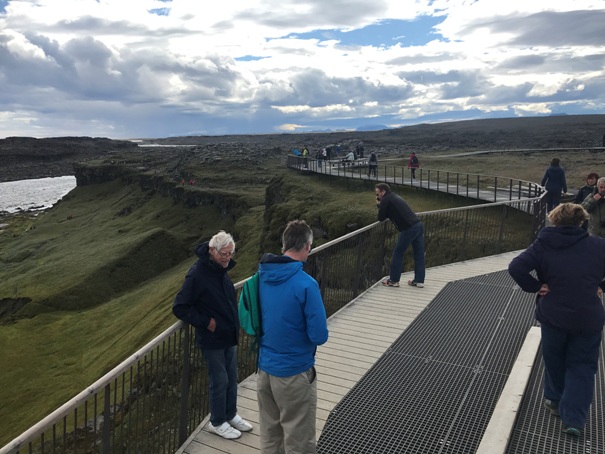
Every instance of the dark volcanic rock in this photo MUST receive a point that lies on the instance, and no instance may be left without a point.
(27, 157)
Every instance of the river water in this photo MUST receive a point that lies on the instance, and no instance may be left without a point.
(35, 194)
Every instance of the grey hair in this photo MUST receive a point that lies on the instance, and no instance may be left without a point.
(220, 240)
(601, 180)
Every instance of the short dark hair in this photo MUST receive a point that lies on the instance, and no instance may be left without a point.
(296, 236)
(592, 175)
(555, 162)
(383, 187)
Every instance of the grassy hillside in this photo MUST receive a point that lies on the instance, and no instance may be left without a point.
(101, 269)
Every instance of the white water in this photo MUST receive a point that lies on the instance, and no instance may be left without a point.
(34, 194)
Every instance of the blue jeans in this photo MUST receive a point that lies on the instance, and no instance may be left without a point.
(414, 236)
(222, 383)
(570, 362)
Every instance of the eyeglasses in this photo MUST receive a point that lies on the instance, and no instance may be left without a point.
(226, 254)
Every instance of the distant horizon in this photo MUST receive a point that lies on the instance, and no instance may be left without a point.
(135, 139)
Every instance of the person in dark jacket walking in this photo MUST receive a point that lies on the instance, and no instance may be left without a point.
(570, 267)
(411, 231)
(207, 300)
(554, 183)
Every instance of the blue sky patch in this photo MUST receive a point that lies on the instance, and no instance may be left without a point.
(3, 4)
(160, 11)
(249, 58)
(384, 34)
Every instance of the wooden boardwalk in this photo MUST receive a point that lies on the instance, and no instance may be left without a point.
(359, 334)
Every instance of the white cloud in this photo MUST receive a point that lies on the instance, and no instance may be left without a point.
(116, 68)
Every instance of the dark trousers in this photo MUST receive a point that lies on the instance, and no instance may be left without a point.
(222, 383)
(571, 361)
(414, 236)
(552, 198)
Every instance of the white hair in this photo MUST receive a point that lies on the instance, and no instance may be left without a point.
(220, 240)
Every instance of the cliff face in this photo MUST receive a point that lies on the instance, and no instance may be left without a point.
(26, 157)
(230, 205)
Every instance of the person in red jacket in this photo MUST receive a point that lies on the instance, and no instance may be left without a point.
(413, 164)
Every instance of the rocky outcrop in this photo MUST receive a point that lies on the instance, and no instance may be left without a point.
(27, 157)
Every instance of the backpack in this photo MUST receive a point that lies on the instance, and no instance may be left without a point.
(249, 313)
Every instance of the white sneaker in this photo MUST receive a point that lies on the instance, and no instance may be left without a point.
(225, 431)
(240, 424)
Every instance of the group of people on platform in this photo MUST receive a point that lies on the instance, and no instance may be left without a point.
(294, 324)
(564, 267)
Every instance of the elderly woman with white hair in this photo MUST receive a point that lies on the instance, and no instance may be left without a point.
(570, 267)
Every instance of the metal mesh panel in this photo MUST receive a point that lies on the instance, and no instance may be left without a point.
(434, 390)
(536, 431)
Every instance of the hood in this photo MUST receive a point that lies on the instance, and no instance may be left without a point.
(277, 269)
(203, 252)
(561, 237)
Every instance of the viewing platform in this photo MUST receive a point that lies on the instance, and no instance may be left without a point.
(426, 370)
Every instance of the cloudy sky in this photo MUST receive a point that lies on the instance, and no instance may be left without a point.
(156, 68)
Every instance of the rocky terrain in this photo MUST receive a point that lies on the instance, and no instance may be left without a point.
(23, 157)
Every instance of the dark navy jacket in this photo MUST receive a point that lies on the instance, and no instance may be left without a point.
(209, 293)
(572, 263)
(397, 210)
(554, 179)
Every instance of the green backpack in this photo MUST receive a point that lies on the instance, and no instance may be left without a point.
(249, 311)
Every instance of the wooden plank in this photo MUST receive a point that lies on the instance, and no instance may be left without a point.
(359, 334)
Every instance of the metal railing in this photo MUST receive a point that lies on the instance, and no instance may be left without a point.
(490, 188)
(153, 400)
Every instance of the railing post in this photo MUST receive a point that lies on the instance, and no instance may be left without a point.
(495, 189)
(183, 417)
(478, 182)
(106, 419)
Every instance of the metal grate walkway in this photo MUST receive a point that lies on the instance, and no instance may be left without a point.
(451, 416)
(435, 389)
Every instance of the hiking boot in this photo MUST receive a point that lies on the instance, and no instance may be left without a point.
(416, 284)
(225, 431)
(390, 283)
(553, 407)
(240, 424)
(571, 430)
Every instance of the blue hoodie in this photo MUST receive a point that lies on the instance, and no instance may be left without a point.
(572, 264)
(293, 314)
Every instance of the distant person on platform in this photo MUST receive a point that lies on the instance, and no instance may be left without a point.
(595, 205)
(207, 300)
(294, 324)
(554, 183)
(411, 232)
(350, 157)
(359, 149)
(565, 267)
(413, 164)
(373, 165)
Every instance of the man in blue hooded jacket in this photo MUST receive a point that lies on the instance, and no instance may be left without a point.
(294, 324)
(207, 301)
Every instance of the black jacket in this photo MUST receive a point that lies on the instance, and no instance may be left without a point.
(397, 210)
(209, 293)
